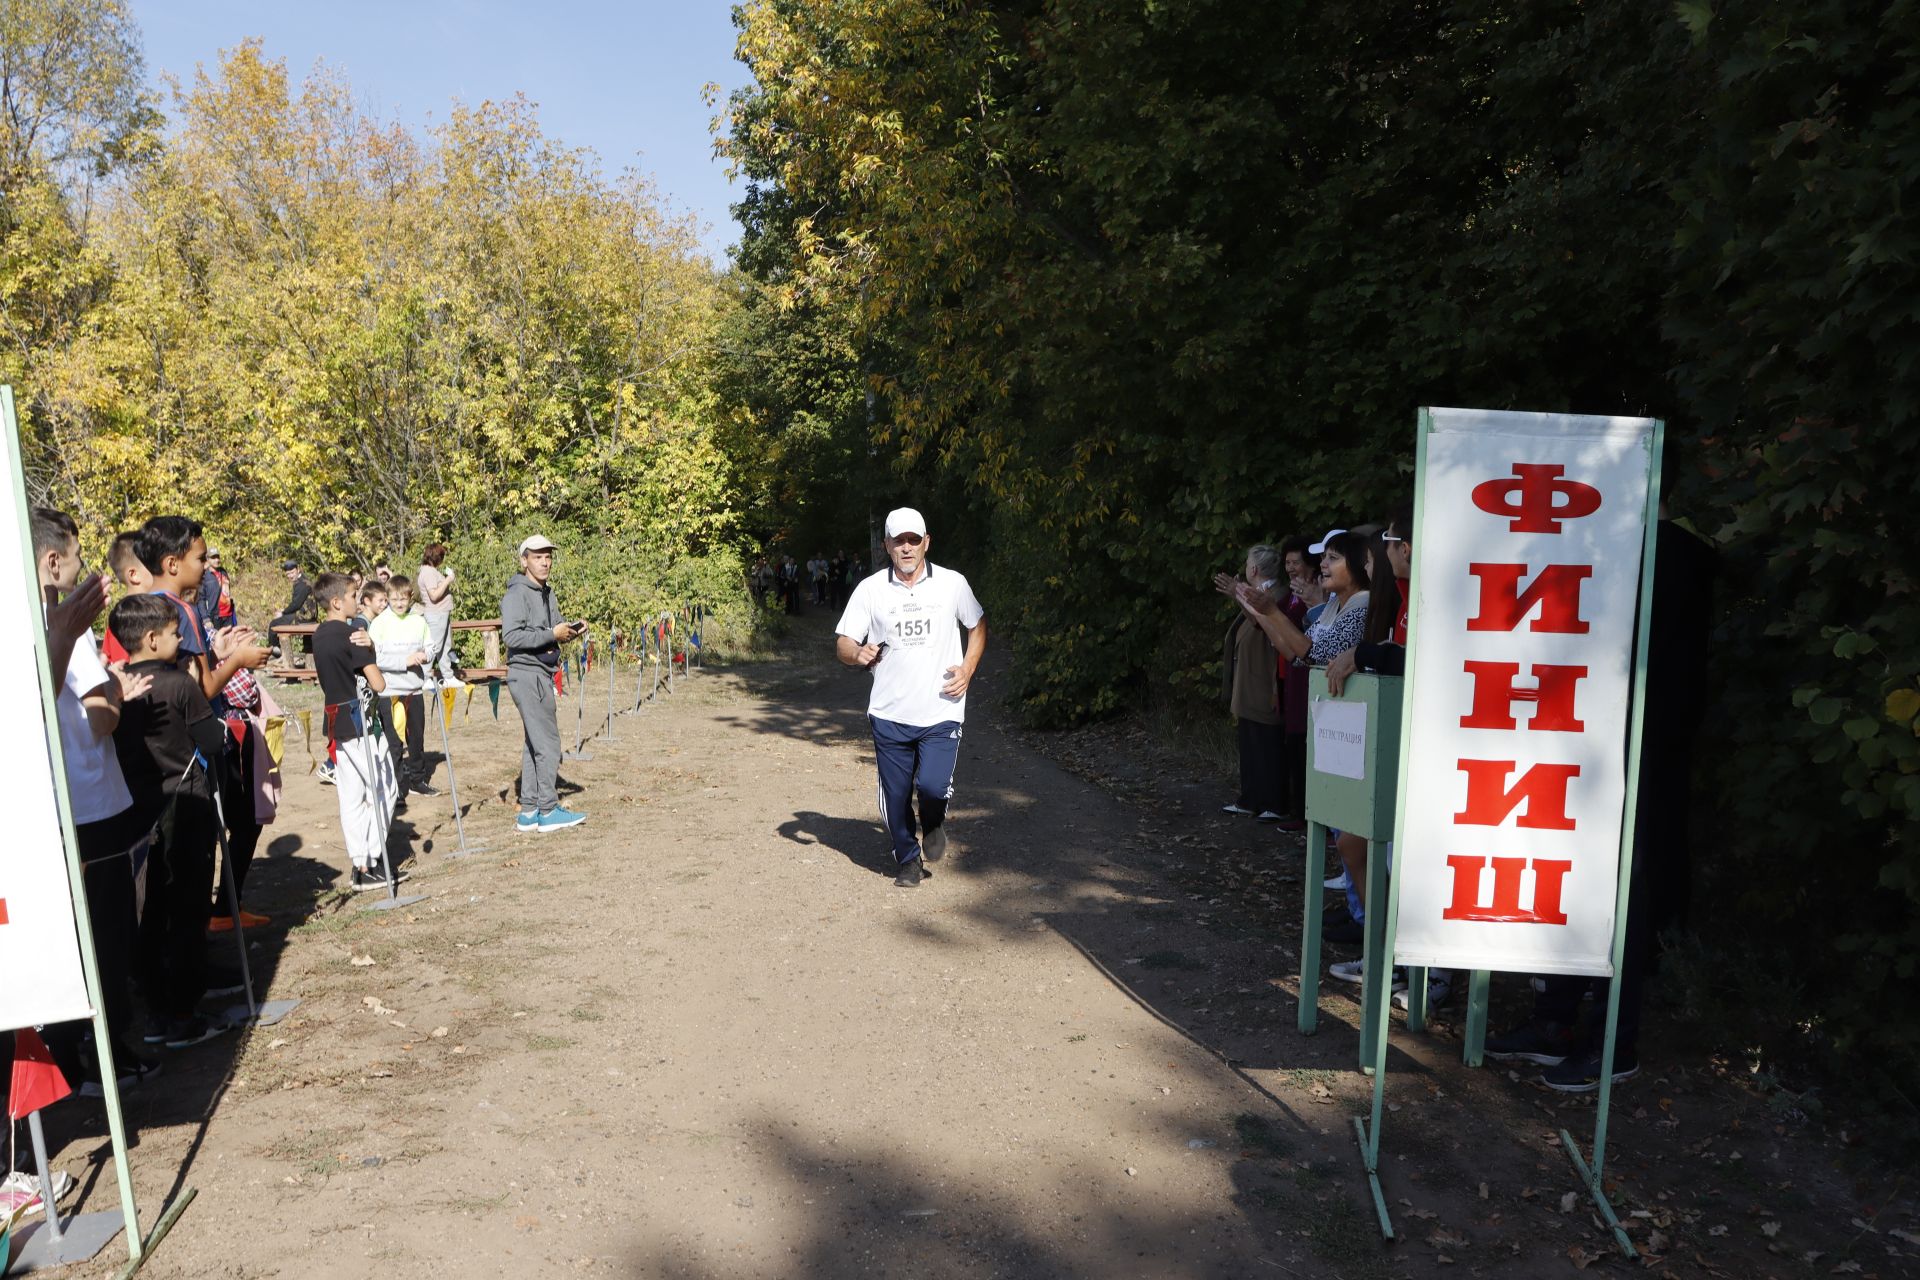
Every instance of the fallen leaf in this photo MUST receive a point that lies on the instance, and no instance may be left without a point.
(437, 1032)
(1569, 1200)
(362, 962)
(1446, 1240)
(1581, 1258)
(1483, 1191)
(1769, 1229)
(1657, 1242)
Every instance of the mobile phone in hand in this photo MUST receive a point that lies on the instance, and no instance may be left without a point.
(879, 653)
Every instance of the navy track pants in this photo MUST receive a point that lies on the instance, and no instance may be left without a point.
(914, 759)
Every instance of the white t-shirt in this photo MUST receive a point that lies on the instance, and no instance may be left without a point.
(920, 626)
(93, 766)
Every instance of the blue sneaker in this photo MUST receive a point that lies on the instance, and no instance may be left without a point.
(527, 821)
(556, 818)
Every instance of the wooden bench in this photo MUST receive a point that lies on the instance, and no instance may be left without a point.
(490, 639)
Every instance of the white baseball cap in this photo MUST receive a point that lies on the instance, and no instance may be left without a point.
(1320, 547)
(538, 542)
(905, 520)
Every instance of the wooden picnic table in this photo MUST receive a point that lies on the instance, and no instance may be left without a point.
(490, 639)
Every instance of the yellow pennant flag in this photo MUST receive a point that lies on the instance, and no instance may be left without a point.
(467, 711)
(276, 739)
(400, 718)
(446, 708)
(306, 730)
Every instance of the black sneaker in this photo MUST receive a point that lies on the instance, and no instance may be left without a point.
(1546, 1043)
(911, 875)
(1581, 1072)
(185, 1032)
(134, 1071)
(225, 982)
(1345, 933)
(421, 787)
(365, 878)
(933, 845)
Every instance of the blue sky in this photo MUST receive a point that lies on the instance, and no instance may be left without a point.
(623, 79)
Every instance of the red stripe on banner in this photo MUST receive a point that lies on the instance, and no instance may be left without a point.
(3, 911)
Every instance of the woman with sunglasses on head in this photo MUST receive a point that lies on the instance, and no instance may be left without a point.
(1383, 644)
(1382, 651)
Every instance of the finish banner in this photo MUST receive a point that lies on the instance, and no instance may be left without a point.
(1526, 581)
(39, 942)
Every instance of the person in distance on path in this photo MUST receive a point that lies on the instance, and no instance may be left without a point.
(903, 624)
(533, 631)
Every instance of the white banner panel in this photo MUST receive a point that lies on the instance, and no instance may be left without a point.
(39, 944)
(1527, 574)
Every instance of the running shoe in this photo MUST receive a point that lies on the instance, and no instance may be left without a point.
(1581, 1072)
(934, 846)
(558, 819)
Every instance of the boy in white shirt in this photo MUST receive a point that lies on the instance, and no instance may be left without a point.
(402, 639)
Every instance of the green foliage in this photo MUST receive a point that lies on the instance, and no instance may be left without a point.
(1797, 350)
(331, 339)
(1152, 282)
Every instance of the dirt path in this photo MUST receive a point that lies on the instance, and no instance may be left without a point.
(705, 1036)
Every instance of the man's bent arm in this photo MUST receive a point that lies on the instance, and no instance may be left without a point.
(976, 645)
(847, 649)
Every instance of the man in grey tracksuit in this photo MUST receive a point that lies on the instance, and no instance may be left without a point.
(533, 630)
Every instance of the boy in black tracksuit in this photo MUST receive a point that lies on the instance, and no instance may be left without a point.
(165, 741)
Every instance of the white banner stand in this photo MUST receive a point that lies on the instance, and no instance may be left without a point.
(253, 1012)
(1627, 453)
(613, 666)
(577, 690)
(393, 898)
(37, 767)
(435, 686)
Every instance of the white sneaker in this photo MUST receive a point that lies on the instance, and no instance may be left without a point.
(23, 1188)
(1239, 810)
(1355, 971)
(1268, 815)
(1340, 883)
(1439, 987)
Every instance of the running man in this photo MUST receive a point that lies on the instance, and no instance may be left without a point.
(903, 624)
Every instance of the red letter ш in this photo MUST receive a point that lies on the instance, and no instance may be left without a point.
(1505, 907)
(1494, 696)
(1503, 606)
(1543, 789)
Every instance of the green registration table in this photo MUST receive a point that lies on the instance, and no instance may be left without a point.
(1353, 783)
(1358, 733)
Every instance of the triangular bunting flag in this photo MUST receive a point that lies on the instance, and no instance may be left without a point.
(400, 718)
(493, 693)
(37, 1082)
(446, 707)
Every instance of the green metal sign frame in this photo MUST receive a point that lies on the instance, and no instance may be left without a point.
(1368, 1128)
(76, 877)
